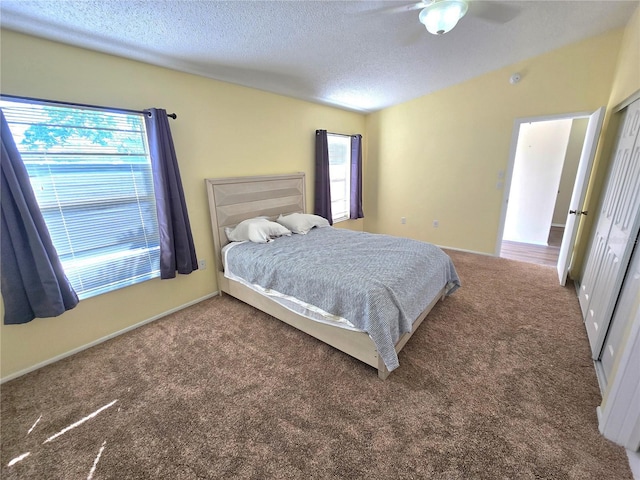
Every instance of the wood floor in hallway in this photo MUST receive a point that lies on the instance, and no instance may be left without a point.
(539, 254)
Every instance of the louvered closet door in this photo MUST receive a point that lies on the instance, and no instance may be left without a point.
(615, 233)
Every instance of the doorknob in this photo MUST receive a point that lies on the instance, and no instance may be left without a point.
(577, 212)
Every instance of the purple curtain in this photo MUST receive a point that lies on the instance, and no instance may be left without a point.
(322, 180)
(33, 281)
(356, 178)
(177, 251)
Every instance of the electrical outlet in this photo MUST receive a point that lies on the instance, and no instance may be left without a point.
(403, 220)
(436, 224)
(202, 264)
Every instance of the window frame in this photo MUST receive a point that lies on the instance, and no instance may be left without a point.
(337, 139)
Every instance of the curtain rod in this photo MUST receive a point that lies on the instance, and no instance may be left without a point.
(72, 104)
(340, 134)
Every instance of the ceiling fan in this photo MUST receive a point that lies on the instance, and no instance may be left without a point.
(441, 16)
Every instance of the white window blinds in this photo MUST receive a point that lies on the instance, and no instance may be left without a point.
(91, 173)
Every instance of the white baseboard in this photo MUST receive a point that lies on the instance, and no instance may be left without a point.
(104, 339)
(466, 251)
(576, 284)
(602, 382)
(634, 463)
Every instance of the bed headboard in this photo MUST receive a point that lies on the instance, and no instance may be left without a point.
(232, 200)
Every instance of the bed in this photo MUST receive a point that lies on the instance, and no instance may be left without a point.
(377, 322)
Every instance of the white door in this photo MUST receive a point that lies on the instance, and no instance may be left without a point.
(627, 309)
(579, 191)
(614, 235)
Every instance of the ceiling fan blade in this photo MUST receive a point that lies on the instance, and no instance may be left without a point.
(492, 11)
(401, 7)
(410, 7)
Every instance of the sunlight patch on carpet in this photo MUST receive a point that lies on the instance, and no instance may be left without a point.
(79, 422)
(34, 425)
(17, 459)
(95, 462)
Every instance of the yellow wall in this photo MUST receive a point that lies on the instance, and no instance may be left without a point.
(438, 157)
(627, 77)
(222, 130)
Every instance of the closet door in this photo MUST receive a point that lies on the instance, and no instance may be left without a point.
(627, 309)
(615, 233)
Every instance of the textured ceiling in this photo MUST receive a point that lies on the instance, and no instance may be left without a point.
(359, 55)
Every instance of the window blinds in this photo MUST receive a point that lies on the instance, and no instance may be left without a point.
(91, 173)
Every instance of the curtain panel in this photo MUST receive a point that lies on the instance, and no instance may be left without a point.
(322, 203)
(355, 202)
(33, 282)
(177, 250)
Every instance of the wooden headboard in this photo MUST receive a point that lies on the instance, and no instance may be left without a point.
(232, 200)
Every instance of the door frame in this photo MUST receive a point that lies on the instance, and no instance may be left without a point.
(515, 135)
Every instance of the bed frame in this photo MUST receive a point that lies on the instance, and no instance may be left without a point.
(232, 200)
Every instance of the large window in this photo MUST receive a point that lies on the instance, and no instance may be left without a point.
(91, 173)
(340, 175)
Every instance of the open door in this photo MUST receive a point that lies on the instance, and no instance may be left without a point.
(579, 191)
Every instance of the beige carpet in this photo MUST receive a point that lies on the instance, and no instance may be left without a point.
(496, 384)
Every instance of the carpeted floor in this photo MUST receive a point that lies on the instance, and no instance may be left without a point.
(496, 384)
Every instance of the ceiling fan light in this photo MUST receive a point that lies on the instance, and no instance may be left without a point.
(441, 16)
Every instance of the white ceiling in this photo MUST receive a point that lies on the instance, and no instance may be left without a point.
(358, 55)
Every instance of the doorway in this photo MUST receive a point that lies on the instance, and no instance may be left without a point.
(546, 255)
(548, 172)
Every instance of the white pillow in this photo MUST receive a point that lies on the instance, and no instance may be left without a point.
(258, 230)
(302, 222)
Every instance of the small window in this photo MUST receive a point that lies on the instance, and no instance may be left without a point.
(91, 174)
(340, 175)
